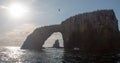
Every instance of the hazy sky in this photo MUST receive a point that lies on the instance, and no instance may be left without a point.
(36, 13)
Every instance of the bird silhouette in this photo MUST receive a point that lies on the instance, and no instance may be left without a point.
(59, 10)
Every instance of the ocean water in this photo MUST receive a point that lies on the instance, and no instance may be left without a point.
(50, 55)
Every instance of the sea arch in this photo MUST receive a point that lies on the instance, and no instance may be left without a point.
(51, 40)
(36, 40)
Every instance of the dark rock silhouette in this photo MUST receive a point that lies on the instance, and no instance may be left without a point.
(93, 32)
(37, 38)
(56, 44)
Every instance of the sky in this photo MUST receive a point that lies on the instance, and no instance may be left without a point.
(18, 18)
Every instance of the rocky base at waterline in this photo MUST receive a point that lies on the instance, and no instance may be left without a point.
(91, 32)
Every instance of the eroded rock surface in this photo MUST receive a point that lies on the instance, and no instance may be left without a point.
(95, 32)
(91, 32)
(36, 39)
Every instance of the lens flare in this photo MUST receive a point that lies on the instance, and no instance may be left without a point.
(17, 10)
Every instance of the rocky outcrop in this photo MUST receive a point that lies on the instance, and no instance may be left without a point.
(95, 32)
(91, 32)
(56, 44)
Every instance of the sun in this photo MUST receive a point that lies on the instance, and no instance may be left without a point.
(17, 10)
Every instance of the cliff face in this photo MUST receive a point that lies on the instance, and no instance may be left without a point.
(90, 32)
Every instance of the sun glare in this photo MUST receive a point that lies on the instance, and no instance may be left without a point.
(17, 10)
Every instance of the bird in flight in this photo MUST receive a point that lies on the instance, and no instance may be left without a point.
(59, 10)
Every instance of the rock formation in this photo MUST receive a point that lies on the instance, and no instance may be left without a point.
(91, 32)
(37, 38)
(56, 44)
(95, 32)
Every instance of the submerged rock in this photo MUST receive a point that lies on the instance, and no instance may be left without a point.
(92, 32)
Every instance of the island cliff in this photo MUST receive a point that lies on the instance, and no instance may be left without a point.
(95, 32)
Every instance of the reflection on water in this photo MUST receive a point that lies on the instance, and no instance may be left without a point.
(51, 55)
(16, 55)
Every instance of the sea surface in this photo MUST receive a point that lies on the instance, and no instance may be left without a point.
(51, 55)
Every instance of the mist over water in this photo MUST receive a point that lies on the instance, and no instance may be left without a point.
(50, 55)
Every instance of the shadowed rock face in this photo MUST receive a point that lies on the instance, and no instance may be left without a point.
(91, 32)
(56, 44)
(95, 32)
(39, 36)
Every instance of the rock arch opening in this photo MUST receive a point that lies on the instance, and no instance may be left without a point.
(51, 40)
